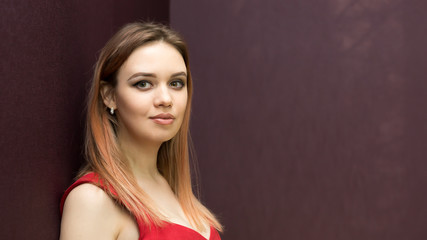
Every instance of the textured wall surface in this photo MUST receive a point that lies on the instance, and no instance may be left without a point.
(47, 50)
(309, 117)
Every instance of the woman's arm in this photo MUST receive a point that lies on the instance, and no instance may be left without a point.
(89, 213)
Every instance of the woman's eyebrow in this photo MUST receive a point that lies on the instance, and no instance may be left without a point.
(179, 74)
(142, 74)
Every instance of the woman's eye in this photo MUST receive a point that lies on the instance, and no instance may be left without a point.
(177, 84)
(143, 84)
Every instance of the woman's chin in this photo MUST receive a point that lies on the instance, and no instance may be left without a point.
(161, 138)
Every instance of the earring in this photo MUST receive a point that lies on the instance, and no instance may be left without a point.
(112, 111)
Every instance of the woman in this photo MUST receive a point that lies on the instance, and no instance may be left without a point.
(136, 184)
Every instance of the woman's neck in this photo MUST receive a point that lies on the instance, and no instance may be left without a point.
(141, 156)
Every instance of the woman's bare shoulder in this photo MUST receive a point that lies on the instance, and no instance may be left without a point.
(90, 213)
(88, 195)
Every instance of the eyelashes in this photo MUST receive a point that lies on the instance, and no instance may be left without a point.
(145, 85)
(177, 84)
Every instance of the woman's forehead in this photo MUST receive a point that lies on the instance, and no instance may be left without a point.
(156, 58)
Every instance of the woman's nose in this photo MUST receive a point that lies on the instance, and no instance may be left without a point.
(163, 97)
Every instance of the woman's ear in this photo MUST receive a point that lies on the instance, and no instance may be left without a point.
(107, 94)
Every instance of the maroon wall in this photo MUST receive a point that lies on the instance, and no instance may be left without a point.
(309, 116)
(48, 49)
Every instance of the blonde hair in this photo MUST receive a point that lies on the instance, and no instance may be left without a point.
(102, 150)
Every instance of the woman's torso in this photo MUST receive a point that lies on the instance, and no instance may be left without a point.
(129, 229)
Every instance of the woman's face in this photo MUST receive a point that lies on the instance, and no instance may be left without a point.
(150, 97)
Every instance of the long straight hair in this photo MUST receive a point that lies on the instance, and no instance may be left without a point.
(102, 150)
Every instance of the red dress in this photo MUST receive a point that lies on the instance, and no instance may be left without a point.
(168, 231)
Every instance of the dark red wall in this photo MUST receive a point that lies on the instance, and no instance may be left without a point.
(47, 50)
(309, 116)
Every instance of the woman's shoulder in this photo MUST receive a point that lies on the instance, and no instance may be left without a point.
(90, 202)
(88, 196)
(89, 211)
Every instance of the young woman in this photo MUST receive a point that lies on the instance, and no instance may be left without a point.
(136, 184)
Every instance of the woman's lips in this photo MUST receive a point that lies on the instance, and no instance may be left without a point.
(163, 118)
